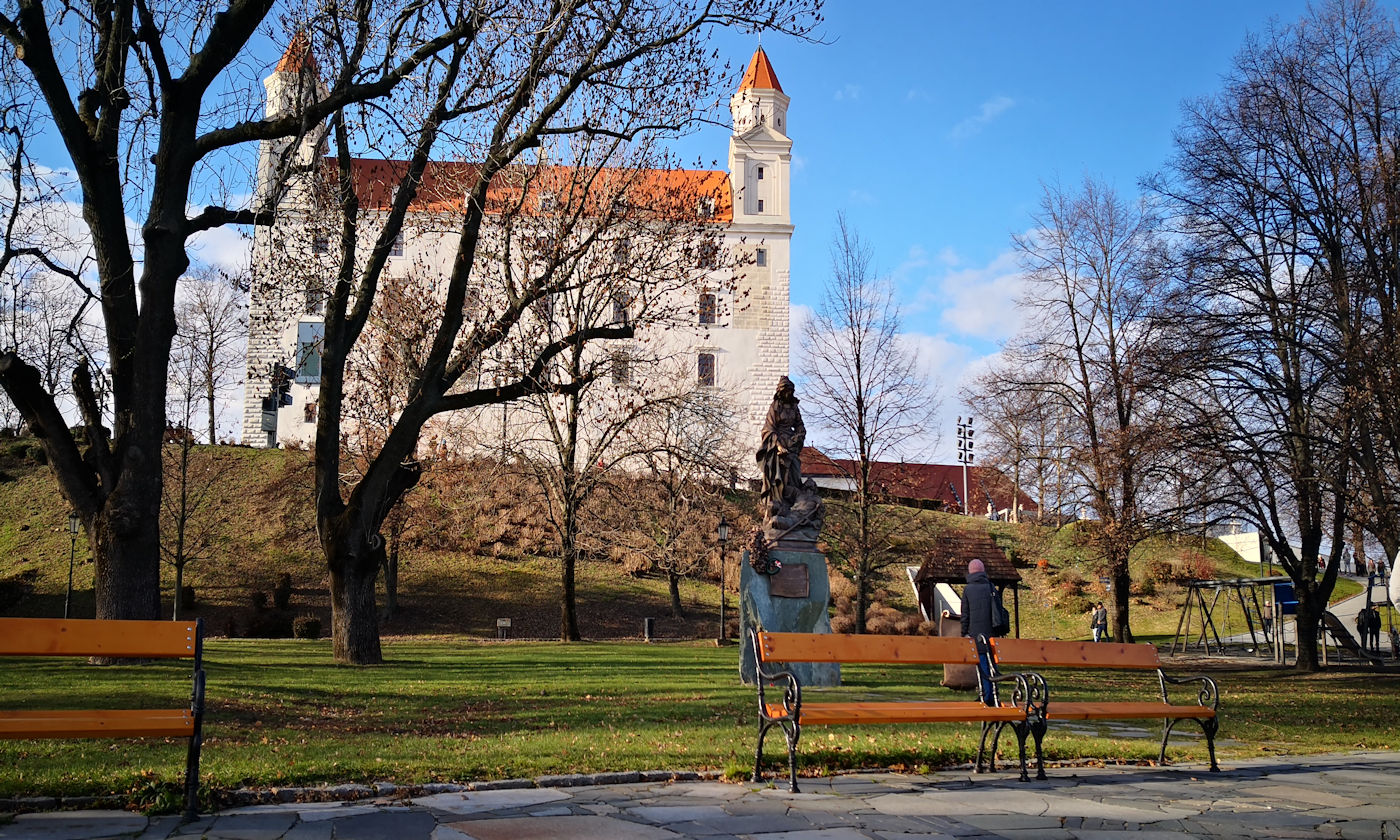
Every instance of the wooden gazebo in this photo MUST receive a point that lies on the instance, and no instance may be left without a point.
(947, 563)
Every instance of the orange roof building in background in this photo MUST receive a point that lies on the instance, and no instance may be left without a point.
(739, 344)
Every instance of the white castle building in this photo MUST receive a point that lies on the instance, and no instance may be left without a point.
(740, 341)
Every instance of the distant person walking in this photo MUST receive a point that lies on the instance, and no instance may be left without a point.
(1098, 622)
(1373, 627)
(1267, 618)
(1362, 625)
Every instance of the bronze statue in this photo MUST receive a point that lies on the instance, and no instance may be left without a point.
(789, 507)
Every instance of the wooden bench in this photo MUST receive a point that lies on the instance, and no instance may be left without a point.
(790, 712)
(118, 640)
(1037, 653)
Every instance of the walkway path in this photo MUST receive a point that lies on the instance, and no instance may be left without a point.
(1353, 795)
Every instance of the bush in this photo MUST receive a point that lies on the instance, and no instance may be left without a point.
(306, 627)
(1159, 571)
(38, 454)
(258, 599)
(1197, 566)
(282, 594)
(270, 625)
(187, 596)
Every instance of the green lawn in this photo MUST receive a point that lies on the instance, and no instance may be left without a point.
(449, 709)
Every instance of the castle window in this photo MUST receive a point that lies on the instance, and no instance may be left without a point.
(709, 254)
(708, 306)
(548, 203)
(396, 249)
(320, 244)
(760, 205)
(308, 411)
(760, 257)
(621, 302)
(310, 336)
(705, 369)
(760, 173)
(706, 206)
(621, 369)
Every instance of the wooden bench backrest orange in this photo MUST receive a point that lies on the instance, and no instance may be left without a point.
(838, 647)
(85, 637)
(1044, 652)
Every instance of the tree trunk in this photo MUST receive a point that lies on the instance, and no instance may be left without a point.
(1309, 618)
(354, 619)
(125, 544)
(1122, 593)
(568, 610)
(673, 582)
(179, 588)
(861, 584)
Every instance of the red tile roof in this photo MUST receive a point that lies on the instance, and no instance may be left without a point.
(297, 56)
(670, 193)
(925, 482)
(759, 73)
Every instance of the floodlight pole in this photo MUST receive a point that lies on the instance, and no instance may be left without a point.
(965, 457)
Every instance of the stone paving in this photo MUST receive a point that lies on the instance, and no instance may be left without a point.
(1348, 796)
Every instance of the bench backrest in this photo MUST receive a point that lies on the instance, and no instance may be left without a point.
(86, 637)
(840, 647)
(1048, 653)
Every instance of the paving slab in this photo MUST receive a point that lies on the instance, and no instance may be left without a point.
(73, 825)
(554, 828)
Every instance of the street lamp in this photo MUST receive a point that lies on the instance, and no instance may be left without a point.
(965, 457)
(73, 523)
(722, 534)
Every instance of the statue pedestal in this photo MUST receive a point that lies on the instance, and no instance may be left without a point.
(793, 601)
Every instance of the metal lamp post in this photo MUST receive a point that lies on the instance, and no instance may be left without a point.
(722, 534)
(965, 457)
(73, 523)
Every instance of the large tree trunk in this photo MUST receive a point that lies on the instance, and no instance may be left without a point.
(1309, 618)
(354, 618)
(1122, 592)
(125, 541)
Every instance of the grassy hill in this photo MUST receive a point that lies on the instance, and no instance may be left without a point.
(475, 547)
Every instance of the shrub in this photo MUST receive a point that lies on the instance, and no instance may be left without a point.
(1159, 571)
(38, 454)
(1197, 566)
(258, 599)
(306, 627)
(282, 594)
(187, 596)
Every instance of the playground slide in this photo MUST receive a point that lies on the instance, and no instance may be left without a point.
(1342, 636)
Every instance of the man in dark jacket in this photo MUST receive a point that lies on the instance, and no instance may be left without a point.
(976, 609)
(976, 605)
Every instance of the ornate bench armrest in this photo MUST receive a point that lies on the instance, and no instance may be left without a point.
(1208, 695)
(792, 692)
(1030, 693)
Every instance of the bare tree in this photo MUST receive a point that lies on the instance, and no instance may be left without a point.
(865, 385)
(1089, 348)
(1285, 185)
(156, 106)
(689, 451)
(212, 322)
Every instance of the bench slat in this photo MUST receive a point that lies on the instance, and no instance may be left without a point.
(952, 711)
(96, 723)
(1126, 709)
(1048, 653)
(841, 647)
(89, 637)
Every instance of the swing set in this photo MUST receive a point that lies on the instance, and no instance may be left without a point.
(1198, 629)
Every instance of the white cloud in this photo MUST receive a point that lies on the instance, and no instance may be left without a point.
(917, 95)
(861, 197)
(980, 302)
(989, 111)
(225, 247)
(847, 93)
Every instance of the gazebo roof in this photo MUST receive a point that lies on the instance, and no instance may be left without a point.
(952, 550)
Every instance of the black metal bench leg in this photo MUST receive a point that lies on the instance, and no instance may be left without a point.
(763, 727)
(1210, 726)
(1021, 732)
(1167, 725)
(982, 748)
(1038, 733)
(793, 732)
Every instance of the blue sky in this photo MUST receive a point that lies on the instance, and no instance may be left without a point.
(933, 125)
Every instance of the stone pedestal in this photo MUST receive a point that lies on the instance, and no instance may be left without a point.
(787, 604)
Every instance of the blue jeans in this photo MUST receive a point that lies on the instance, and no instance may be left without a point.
(1098, 633)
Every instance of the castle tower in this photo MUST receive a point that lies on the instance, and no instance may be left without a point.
(294, 83)
(760, 162)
